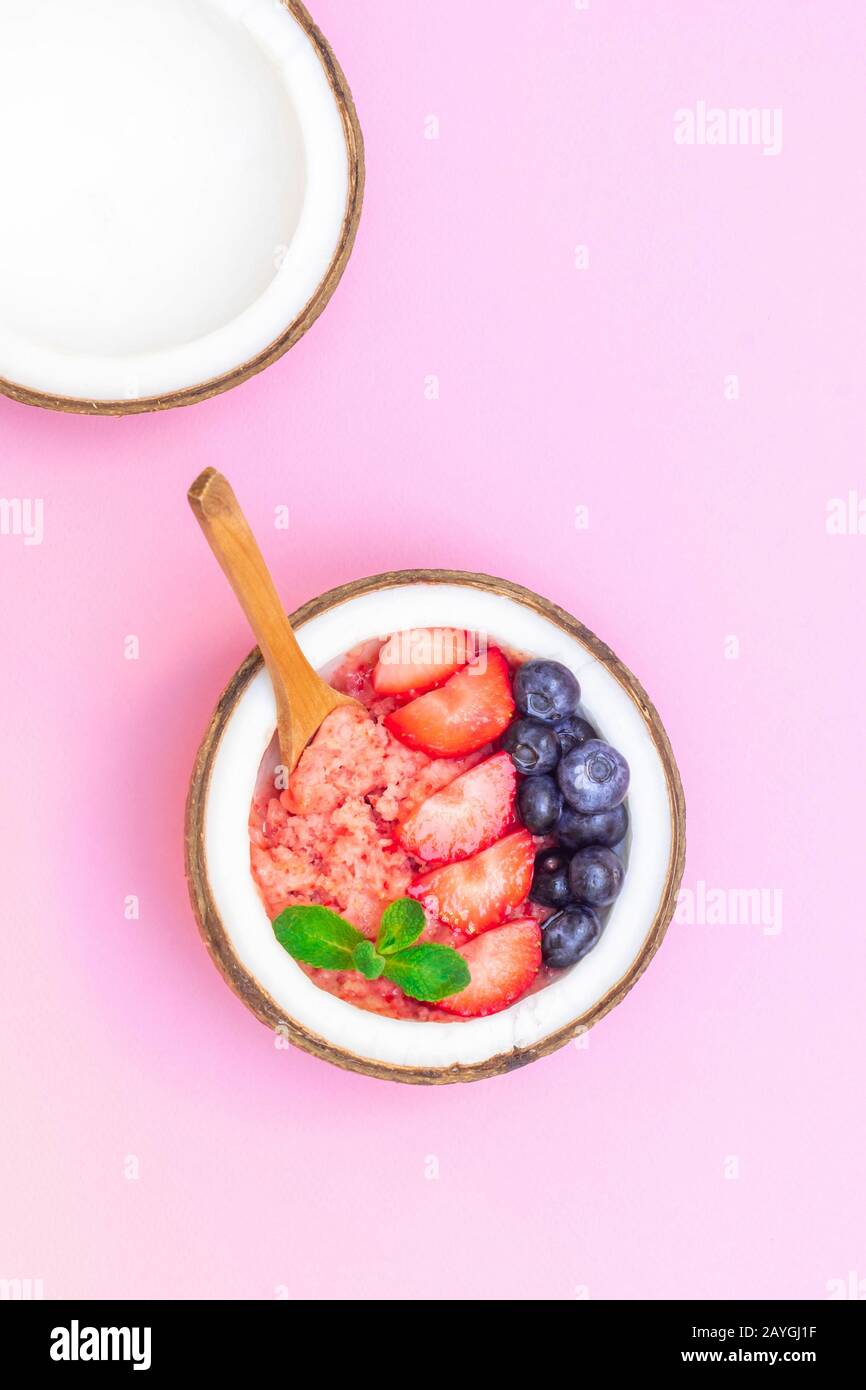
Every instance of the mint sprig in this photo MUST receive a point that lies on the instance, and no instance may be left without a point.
(366, 958)
(317, 936)
(401, 923)
(428, 972)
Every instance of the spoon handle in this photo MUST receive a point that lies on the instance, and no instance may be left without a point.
(302, 697)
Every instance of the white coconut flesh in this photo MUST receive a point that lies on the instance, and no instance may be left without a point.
(175, 180)
(530, 1021)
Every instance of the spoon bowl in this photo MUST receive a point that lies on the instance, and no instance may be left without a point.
(303, 699)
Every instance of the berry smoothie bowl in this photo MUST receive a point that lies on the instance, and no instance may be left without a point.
(469, 865)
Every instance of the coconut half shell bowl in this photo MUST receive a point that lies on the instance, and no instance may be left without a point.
(181, 196)
(232, 917)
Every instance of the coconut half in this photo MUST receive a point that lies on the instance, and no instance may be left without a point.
(182, 185)
(233, 920)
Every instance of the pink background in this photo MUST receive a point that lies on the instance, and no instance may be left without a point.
(599, 1170)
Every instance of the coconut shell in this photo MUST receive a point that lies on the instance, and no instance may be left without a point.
(191, 395)
(251, 992)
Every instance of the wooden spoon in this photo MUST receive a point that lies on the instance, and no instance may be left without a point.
(303, 698)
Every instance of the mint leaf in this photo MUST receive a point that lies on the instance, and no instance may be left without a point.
(366, 958)
(402, 922)
(317, 936)
(428, 972)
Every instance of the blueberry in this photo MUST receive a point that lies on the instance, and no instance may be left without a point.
(604, 828)
(595, 876)
(593, 777)
(546, 690)
(569, 935)
(550, 879)
(539, 803)
(533, 746)
(573, 731)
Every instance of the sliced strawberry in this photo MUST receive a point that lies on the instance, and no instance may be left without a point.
(420, 658)
(472, 708)
(466, 816)
(502, 964)
(479, 892)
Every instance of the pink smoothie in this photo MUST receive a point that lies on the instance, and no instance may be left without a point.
(329, 836)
